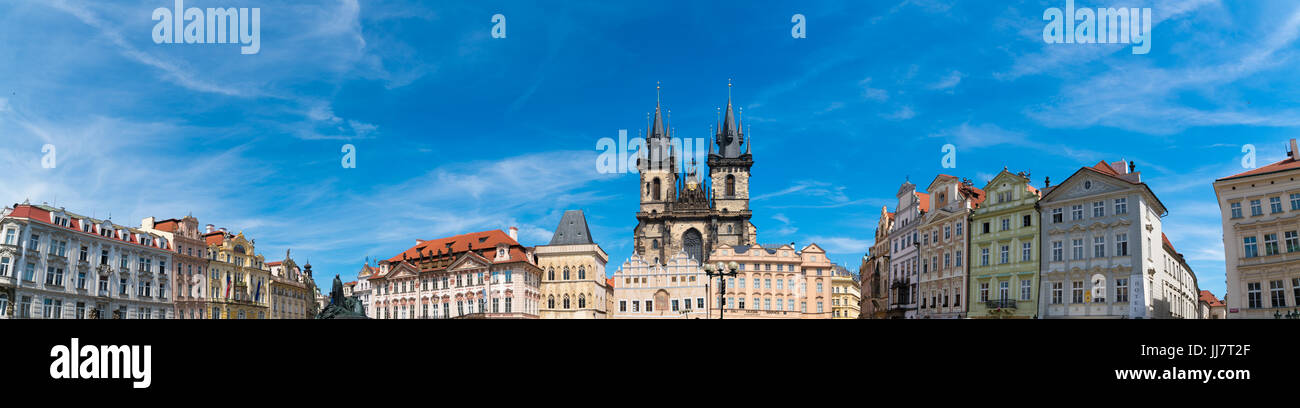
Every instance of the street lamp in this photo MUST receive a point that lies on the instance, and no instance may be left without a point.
(721, 271)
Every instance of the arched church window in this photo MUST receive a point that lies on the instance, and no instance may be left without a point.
(693, 244)
(550, 302)
(654, 244)
(728, 228)
(656, 189)
(731, 185)
(582, 301)
(582, 273)
(550, 275)
(566, 273)
(566, 301)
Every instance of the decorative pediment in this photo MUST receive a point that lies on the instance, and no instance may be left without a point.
(1084, 183)
(470, 260)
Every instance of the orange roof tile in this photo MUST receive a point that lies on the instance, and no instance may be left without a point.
(1284, 165)
(1208, 297)
(925, 201)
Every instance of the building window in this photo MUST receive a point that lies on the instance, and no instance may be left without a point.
(1121, 245)
(1099, 209)
(1078, 249)
(1058, 251)
(1275, 205)
(1004, 255)
(1121, 290)
(1006, 224)
(1099, 247)
(1250, 246)
(1026, 289)
(649, 306)
(1076, 212)
(1254, 295)
(1026, 251)
(1076, 292)
(1295, 289)
(1255, 209)
(1236, 210)
(1058, 292)
(1027, 221)
(984, 291)
(1057, 216)
(984, 257)
(1270, 244)
(1292, 241)
(1278, 293)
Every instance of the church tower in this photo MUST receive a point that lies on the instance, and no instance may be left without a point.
(729, 172)
(692, 212)
(656, 163)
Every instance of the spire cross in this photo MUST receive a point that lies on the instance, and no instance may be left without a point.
(657, 87)
(728, 91)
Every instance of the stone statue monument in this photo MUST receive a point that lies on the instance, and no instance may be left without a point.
(342, 307)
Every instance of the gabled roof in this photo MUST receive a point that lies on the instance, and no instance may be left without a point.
(459, 243)
(572, 230)
(1105, 169)
(925, 201)
(1208, 297)
(1284, 165)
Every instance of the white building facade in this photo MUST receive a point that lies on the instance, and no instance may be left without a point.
(58, 265)
(1261, 239)
(1101, 246)
(905, 259)
(678, 289)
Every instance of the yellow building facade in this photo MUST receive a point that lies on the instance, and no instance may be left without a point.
(238, 278)
(846, 295)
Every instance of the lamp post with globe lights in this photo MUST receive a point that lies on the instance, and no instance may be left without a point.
(722, 271)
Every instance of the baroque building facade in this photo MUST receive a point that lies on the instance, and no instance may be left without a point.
(846, 294)
(485, 274)
(1101, 234)
(875, 270)
(775, 281)
(943, 247)
(1004, 252)
(238, 277)
(677, 289)
(685, 212)
(189, 290)
(1260, 211)
(55, 264)
(905, 259)
(573, 272)
(293, 290)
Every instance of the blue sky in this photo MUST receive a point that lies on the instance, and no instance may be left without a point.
(457, 132)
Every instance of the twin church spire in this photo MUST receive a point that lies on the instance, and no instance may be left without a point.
(729, 136)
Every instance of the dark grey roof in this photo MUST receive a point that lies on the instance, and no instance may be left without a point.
(572, 230)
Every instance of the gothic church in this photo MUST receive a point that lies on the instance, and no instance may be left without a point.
(681, 211)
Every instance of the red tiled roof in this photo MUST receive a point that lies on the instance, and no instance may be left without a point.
(1208, 297)
(214, 238)
(925, 201)
(351, 283)
(459, 244)
(1170, 244)
(1288, 164)
(43, 216)
(274, 263)
(609, 282)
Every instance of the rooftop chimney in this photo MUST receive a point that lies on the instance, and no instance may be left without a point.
(514, 233)
(208, 229)
(1295, 154)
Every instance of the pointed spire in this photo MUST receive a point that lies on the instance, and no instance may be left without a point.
(748, 141)
(658, 128)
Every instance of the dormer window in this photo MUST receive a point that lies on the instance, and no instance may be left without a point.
(60, 220)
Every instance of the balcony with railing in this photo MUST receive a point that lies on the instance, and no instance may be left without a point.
(1000, 304)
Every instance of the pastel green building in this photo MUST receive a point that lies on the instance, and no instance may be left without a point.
(1004, 235)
